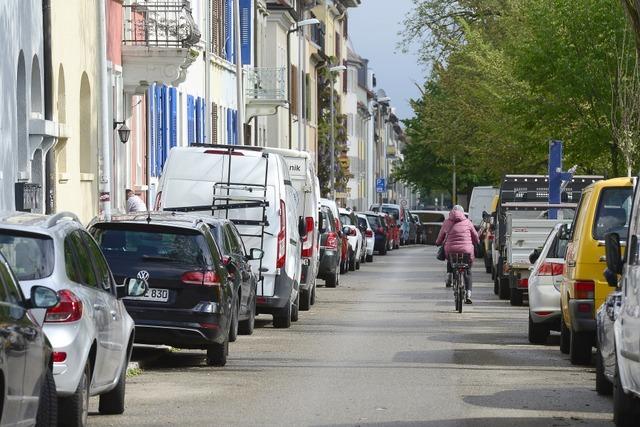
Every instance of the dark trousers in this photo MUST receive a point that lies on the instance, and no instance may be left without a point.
(468, 280)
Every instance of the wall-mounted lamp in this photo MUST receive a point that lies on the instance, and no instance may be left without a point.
(123, 132)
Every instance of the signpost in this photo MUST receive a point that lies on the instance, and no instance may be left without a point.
(380, 185)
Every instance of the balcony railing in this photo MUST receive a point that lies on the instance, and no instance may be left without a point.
(167, 23)
(266, 84)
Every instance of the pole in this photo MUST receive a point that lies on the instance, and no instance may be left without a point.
(239, 73)
(207, 78)
(454, 197)
(301, 145)
(332, 142)
(105, 130)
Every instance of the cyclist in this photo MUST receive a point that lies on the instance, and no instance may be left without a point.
(459, 236)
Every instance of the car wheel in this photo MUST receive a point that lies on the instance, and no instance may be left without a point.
(496, 286)
(580, 348)
(565, 337)
(503, 290)
(358, 264)
(295, 309)
(48, 402)
(75, 408)
(626, 408)
(383, 251)
(246, 326)
(217, 353)
(282, 320)
(112, 402)
(313, 294)
(332, 281)
(343, 270)
(305, 299)
(233, 329)
(515, 297)
(603, 385)
(537, 333)
(487, 264)
(370, 258)
(352, 261)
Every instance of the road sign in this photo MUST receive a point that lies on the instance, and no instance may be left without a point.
(380, 185)
(404, 202)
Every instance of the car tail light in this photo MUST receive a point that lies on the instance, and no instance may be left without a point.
(332, 241)
(542, 313)
(584, 308)
(369, 233)
(202, 278)
(158, 203)
(585, 290)
(308, 240)
(69, 309)
(282, 236)
(550, 269)
(523, 283)
(352, 232)
(59, 356)
(261, 300)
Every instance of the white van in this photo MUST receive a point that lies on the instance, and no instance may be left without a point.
(253, 189)
(481, 200)
(306, 183)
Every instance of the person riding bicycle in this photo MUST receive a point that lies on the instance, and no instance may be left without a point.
(459, 237)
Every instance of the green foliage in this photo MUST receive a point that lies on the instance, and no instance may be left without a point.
(507, 76)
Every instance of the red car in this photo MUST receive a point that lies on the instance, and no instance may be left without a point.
(391, 229)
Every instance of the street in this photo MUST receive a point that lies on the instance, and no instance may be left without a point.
(384, 348)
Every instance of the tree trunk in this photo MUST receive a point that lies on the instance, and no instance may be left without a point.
(633, 12)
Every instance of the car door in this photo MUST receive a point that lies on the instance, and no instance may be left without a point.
(244, 269)
(117, 337)
(95, 300)
(33, 340)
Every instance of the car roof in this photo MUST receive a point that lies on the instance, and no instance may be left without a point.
(16, 220)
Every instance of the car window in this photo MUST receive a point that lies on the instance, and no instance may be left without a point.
(70, 261)
(11, 293)
(84, 264)
(238, 242)
(346, 219)
(374, 220)
(102, 269)
(30, 256)
(362, 222)
(228, 246)
(612, 215)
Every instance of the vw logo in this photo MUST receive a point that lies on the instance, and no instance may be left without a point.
(143, 275)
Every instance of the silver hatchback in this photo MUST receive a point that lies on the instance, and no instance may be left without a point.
(90, 331)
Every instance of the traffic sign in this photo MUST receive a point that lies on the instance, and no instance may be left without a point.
(380, 185)
(404, 202)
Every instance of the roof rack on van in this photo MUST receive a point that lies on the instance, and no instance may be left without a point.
(228, 147)
(59, 217)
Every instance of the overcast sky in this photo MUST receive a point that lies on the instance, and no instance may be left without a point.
(373, 28)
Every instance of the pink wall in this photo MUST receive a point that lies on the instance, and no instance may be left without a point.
(114, 31)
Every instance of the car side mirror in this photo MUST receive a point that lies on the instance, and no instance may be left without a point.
(43, 297)
(302, 227)
(614, 258)
(534, 256)
(346, 230)
(136, 287)
(255, 254)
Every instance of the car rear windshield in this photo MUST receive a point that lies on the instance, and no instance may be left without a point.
(612, 215)
(391, 211)
(30, 256)
(346, 219)
(362, 223)
(374, 220)
(154, 245)
(430, 217)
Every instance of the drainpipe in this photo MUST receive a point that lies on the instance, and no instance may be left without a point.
(239, 74)
(105, 130)
(207, 78)
(50, 163)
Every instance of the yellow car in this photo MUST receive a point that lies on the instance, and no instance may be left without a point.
(604, 208)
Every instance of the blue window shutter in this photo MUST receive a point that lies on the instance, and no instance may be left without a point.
(190, 120)
(162, 147)
(234, 123)
(203, 122)
(159, 129)
(229, 128)
(198, 114)
(246, 20)
(151, 99)
(173, 113)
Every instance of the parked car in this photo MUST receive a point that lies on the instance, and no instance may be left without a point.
(191, 301)
(252, 188)
(28, 394)
(367, 229)
(401, 222)
(344, 255)
(89, 329)
(606, 343)
(431, 223)
(236, 259)
(306, 183)
(330, 249)
(354, 237)
(604, 208)
(487, 236)
(544, 285)
(381, 235)
(481, 201)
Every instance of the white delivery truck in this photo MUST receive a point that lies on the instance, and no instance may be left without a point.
(481, 200)
(253, 189)
(306, 183)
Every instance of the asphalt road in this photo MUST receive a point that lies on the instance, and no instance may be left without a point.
(384, 348)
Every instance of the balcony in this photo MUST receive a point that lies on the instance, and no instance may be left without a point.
(265, 90)
(158, 42)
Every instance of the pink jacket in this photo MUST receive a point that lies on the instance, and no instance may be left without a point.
(458, 234)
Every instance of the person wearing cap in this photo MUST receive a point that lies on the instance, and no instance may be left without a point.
(134, 202)
(459, 236)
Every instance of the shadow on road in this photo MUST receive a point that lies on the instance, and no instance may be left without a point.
(483, 357)
(485, 422)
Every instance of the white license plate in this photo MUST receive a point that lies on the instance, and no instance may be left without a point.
(154, 294)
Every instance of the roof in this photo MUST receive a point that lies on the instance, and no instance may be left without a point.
(174, 219)
(288, 153)
(613, 182)
(27, 219)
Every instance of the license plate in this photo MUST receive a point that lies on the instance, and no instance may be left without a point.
(154, 295)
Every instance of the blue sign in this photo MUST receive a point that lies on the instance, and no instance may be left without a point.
(381, 185)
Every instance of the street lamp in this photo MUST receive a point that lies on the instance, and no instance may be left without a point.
(297, 26)
(332, 145)
(123, 132)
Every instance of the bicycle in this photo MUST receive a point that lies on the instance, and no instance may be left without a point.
(459, 266)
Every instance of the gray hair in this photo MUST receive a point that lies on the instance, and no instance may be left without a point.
(458, 208)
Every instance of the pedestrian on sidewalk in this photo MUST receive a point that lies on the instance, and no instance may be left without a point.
(135, 203)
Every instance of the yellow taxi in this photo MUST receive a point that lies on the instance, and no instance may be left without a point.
(604, 208)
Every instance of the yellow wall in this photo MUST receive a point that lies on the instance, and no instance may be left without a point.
(74, 61)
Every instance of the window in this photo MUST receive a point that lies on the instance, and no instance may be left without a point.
(293, 90)
(11, 293)
(84, 265)
(30, 256)
(234, 244)
(612, 215)
(214, 123)
(102, 269)
(70, 261)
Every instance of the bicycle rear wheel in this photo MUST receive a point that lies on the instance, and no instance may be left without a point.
(459, 292)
